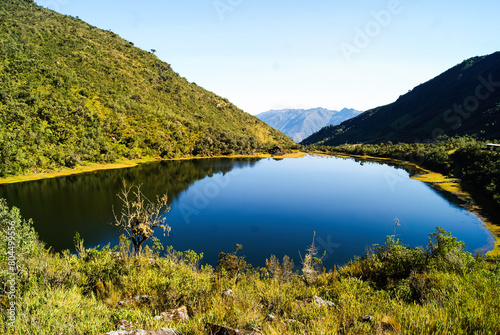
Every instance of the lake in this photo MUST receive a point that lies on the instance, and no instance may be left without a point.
(269, 206)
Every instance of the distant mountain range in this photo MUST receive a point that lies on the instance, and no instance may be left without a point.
(465, 100)
(301, 123)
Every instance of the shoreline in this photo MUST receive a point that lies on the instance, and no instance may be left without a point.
(122, 164)
(442, 183)
(438, 181)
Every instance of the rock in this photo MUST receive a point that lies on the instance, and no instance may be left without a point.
(271, 318)
(267, 304)
(320, 302)
(163, 331)
(174, 315)
(388, 325)
(143, 299)
(227, 293)
(215, 329)
(277, 151)
(121, 303)
(72, 161)
(124, 325)
(367, 318)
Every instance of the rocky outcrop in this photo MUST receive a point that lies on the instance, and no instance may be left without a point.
(319, 302)
(143, 299)
(124, 325)
(163, 331)
(227, 293)
(272, 319)
(174, 315)
(215, 329)
(277, 151)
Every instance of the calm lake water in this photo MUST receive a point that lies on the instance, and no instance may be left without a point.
(269, 206)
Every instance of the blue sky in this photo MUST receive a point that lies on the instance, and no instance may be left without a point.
(277, 54)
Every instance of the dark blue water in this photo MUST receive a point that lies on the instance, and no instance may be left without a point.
(268, 206)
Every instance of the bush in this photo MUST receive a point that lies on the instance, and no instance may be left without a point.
(231, 264)
(394, 262)
(18, 242)
(447, 254)
(390, 262)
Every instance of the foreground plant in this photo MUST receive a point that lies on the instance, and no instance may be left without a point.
(140, 216)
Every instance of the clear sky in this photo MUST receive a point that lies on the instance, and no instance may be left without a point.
(277, 54)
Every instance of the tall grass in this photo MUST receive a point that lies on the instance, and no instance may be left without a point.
(438, 290)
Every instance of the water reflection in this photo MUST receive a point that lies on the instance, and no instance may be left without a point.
(62, 206)
(269, 206)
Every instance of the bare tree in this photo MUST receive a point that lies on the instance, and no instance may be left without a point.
(310, 263)
(139, 216)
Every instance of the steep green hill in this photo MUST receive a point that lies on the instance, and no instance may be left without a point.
(71, 93)
(464, 100)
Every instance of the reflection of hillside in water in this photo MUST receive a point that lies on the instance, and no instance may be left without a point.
(413, 170)
(60, 207)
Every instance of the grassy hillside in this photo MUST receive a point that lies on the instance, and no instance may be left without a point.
(393, 290)
(72, 93)
(464, 100)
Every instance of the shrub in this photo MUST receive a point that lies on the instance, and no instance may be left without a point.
(447, 254)
(393, 262)
(19, 243)
(139, 216)
(231, 264)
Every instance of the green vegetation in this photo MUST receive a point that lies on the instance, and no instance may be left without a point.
(139, 216)
(439, 290)
(465, 100)
(71, 94)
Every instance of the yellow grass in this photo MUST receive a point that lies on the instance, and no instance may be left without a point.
(451, 185)
(69, 172)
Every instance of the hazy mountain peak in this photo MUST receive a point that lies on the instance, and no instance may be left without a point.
(301, 123)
